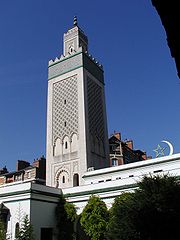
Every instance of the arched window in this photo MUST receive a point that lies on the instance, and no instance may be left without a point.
(63, 179)
(76, 180)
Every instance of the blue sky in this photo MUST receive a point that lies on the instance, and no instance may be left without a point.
(126, 36)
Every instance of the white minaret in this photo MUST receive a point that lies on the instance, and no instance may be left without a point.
(77, 139)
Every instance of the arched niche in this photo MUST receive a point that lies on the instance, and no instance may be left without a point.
(62, 178)
(57, 147)
(75, 180)
(66, 145)
(74, 142)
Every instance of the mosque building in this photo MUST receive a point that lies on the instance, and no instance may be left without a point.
(79, 159)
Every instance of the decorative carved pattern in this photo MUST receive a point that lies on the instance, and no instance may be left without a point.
(75, 167)
(60, 171)
(65, 108)
(95, 109)
(65, 66)
(63, 171)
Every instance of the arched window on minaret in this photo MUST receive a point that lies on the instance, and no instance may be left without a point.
(76, 180)
(63, 179)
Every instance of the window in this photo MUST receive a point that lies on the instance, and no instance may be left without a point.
(63, 179)
(64, 101)
(107, 180)
(76, 180)
(28, 175)
(16, 230)
(118, 178)
(100, 181)
(114, 162)
(17, 177)
(156, 171)
(66, 145)
(65, 124)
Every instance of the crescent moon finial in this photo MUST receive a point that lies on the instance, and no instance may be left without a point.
(170, 147)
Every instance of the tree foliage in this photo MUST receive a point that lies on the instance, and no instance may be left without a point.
(157, 202)
(94, 218)
(120, 226)
(2, 231)
(152, 212)
(65, 216)
(26, 230)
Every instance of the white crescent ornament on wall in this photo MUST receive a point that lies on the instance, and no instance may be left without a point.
(170, 147)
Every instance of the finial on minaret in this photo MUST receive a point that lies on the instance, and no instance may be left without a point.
(75, 21)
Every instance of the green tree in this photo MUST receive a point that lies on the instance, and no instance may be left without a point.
(152, 212)
(26, 230)
(65, 216)
(120, 226)
(157, 204)
(94, 218)
(2, 231)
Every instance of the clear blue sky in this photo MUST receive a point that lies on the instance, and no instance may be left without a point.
(126, 36)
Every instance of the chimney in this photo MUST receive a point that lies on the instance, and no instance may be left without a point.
(21, 164)
(41, 165)
(117, 135)
(129, 143)
(3, 170)
(144, 156)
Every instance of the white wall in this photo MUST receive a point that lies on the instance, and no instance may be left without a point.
(36, 201)
(110, 182)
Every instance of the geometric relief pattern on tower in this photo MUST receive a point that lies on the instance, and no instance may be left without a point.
(95, 109)
(65, 108)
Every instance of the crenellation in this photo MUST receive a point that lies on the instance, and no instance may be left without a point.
(94, 60)
(62, 57)
(50, 62)
(75, 29)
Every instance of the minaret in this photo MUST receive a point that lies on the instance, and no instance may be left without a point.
(77, 139)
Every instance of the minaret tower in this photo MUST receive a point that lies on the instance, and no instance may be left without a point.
(77, 139)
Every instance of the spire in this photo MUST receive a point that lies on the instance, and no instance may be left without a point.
(75, 21)
(74, 39)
